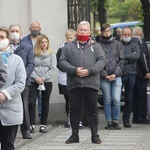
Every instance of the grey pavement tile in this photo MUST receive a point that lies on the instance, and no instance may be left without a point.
(114, 147)
(135, 138)
(111, 140)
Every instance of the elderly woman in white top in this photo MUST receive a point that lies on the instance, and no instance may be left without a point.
(11, 111)
(45, 65)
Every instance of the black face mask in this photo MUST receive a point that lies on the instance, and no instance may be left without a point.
(107, 38)
(35, 33)
(118, 35)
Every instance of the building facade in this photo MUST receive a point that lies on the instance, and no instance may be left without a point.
(55, 16)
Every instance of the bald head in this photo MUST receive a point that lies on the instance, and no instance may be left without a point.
(35, 29)
(37, 24)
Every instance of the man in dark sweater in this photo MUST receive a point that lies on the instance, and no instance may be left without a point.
(83, 59)
(131, 55)
(140, 102)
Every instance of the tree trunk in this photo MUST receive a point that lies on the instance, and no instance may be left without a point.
(146, 13)
(101, 12)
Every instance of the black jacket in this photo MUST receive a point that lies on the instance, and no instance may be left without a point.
(114, 57)
(131, 55)
(143, 62)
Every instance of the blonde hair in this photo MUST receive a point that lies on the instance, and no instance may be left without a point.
(70, 32)
(37, 49)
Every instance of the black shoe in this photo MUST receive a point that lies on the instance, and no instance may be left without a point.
(95, 139)
(42, 129)
(116, 126)
(144, 122)
(27, 136)
(110, 126)
(67, 125)
(32, 129)
(126, 124)
(72, 139)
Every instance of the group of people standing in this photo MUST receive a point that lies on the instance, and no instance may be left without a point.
(123, 63)
(127, 64)
(29, 64)
(85, 66)
(127, 60)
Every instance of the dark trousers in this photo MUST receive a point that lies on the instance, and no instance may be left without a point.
(7, 136)
(39, 104)
(33, 94)
(89, 96)
(129, 83)
(67, 106)
(25, 126)
(140, 102)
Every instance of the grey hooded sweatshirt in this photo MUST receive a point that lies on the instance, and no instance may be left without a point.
(91, 57)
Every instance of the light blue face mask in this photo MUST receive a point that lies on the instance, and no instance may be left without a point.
(126, 39)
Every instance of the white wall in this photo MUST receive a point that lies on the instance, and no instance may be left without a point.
(51, 14)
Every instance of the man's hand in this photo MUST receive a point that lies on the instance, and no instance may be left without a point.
(82, 72)
(39, 81)
(148, 76)
(2, 97)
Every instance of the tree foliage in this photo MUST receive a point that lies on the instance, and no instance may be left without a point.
(124, 9)
(136, 10)
(94, 6)
(146, 14)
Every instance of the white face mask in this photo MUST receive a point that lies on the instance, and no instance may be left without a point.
(126, 39)
(15, 36)
(3, 44)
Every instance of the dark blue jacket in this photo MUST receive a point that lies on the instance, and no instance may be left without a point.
(26, 53)
(27, 39)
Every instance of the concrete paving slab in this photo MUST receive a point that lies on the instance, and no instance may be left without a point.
(111, 140)
(135, 138)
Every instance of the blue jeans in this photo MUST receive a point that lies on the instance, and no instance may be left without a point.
(111, 91)
(129, 83)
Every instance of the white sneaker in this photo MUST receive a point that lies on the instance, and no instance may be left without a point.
(80, 125)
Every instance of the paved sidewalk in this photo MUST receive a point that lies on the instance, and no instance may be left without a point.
(137, 138)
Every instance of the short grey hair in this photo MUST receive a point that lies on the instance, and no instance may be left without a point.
(15, 25)
(84, 23)
(136, 30)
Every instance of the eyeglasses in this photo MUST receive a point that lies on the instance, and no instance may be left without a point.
(106, 31)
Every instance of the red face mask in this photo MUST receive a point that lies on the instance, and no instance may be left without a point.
(83, 38)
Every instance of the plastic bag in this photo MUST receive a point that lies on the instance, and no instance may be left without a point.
(41, 87)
